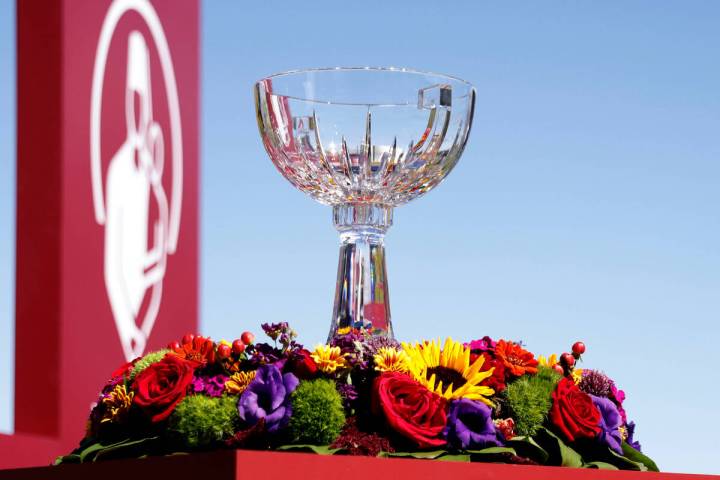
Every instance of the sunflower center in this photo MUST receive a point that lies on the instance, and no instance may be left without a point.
(446, 376)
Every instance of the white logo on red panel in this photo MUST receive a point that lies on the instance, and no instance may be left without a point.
(136, 246)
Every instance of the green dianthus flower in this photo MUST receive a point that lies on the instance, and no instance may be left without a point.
(317, 415)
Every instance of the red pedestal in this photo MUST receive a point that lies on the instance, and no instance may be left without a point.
(246, 464)
(71, 326)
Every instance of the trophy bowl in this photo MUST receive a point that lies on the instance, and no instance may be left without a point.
(363, 140)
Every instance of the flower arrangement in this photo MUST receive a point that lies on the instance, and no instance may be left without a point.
(483, 400)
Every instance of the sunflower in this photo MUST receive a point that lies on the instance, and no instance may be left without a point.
(328, 359)
(389, 359)
(238, 382)
(448, 371)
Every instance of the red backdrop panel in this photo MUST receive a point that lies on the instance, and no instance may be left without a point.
(107, 203)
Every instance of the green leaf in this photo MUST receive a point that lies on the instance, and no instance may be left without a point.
(63, 459)
(632, 454)
(600, 466)
(527, 447)
(560, 453)
(319, 449)
(88, 453)
(128, 449)
(99, 450)
(490, 454)
(427, 454)
(493, 451)
(454, 458)
(624, 463)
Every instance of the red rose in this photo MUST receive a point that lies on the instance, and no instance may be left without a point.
(302, 365)
(573, 412)
(410, 409)
(162, 385)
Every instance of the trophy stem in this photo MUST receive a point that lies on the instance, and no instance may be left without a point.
(361, 293)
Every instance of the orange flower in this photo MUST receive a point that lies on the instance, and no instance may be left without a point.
(200, 349)
(517, 361)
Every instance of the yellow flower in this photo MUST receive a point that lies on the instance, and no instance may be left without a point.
(577, 375)
(328, 359)
(389, 359)
(448, 371)
(547, 362)
(117, 404)
(343, 331)
(238, 382)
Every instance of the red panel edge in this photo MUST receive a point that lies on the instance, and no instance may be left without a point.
(253, 465)
(38, 288)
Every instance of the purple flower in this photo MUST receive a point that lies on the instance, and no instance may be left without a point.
(596, 383)
(630, 433)
(268, 397)
(618, 396)
(348, 392)
(610, 422)
(274, 330)
(352, 345)
(360, 348)
(470, 426)
(376, 342)
(262, 354)
(212, 386)
(485, 344)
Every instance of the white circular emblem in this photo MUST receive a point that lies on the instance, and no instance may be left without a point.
(136, 251)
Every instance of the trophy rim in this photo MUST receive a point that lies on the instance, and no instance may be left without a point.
(365, 68)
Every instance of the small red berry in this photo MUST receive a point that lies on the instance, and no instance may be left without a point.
(188, 338)
(248, 338)
(224, 351)
(578, 348)
(174, 345)
(567, 359)
(559, 369)
(238, 346)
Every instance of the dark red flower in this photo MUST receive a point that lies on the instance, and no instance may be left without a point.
(125, 369)
(497, 380)
(162, 385)
(302, 365)
(573, 412)
(356, 442)
(410, 409)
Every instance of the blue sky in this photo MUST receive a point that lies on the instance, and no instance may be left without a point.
(586, 205)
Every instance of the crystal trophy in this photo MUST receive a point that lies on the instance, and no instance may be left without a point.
(363, 140)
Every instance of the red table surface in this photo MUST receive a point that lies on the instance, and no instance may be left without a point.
(256, 465)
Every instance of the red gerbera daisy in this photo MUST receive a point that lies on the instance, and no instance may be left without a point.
(201, 350)
(517, 360)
